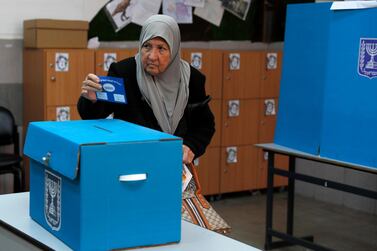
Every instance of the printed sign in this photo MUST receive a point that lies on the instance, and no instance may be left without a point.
(272, 61)
(234, 61)
(196, 60)
(112, 90)
(52, 200)
(233, 108)
(63, 113)
(367, 57)
(61, 61)
(231, 154)
(269, 105)
(108, 59)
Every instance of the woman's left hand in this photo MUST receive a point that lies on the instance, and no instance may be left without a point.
(188, 155)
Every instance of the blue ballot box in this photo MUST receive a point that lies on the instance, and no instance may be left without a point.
(105, 184)
(328, 94)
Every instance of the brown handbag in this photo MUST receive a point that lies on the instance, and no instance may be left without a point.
(197, 210)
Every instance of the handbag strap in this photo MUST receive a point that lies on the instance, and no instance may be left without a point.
(198, 191)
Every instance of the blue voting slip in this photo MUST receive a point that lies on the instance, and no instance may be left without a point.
(112, 90)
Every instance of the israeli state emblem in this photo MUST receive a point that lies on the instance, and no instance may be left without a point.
(52, 200)
(367, 57)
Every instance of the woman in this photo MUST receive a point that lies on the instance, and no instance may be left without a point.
(163, 92)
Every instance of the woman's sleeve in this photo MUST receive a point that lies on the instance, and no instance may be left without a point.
(201, 124)
(99, 109)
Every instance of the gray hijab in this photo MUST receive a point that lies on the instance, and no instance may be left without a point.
(168, 92)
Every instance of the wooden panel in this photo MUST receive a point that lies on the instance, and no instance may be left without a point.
(101, 63)
(266, 135)
(245, 82)
(209, 171)
(239, 176)
(215, 105)
(51, 113)
(242, 129)
(33, 87)
(271, 77)
(211, 67)
(64, 87)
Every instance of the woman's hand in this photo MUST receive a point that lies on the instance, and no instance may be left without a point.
(188, 155)
(90, 86)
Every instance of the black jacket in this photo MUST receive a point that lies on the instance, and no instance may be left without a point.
(196, 127)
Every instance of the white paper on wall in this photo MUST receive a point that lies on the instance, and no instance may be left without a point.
(63, 113)
(212, 12)
(178, 10)
(239, 8)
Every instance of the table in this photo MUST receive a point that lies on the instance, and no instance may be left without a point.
(287, 238)
(19, 232)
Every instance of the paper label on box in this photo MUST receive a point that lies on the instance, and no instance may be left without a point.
(52, 201)
(112, 90)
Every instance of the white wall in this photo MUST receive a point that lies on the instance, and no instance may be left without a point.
(14, 12)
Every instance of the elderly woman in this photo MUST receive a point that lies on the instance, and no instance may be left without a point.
(163, 91)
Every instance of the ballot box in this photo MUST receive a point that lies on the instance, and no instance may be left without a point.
(105, 184)
(328, 91)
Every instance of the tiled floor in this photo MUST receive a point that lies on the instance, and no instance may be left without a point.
(332, 226)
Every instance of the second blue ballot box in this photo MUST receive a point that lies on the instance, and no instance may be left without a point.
(105, 184)
(328, 95)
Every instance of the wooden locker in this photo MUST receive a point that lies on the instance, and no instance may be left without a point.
(271, 77)
(210, 65)
(266, 135)
(104, 57)
(241, 175)
(50, 82)
(243, 128)
(208, 167)
(242, 83)
(64, 87)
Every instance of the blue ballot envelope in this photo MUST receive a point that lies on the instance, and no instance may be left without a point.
(112, 90)
(328, 93)
(105, 184)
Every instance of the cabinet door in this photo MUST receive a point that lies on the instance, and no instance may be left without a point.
(62, 113)
(209, 62)
(271, 71)
(242, 76)
(238, 173)
(208, 168)
(215, 105)
(240, 128)
(266, 135)
(65, 71)
(104, 58)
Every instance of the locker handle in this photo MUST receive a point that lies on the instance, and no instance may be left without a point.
(53, 78)
(132, 177)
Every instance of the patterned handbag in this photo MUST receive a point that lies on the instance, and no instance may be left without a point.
(197, 210)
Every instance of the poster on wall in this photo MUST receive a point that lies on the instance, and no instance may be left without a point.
(239, 8)
(212, 12)
(178, 10)
(119, 13)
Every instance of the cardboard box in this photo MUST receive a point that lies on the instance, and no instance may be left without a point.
(50, 33)
(105, 184)
(328, 103)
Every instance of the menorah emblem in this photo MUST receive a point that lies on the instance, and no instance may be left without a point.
(367, 51)
(52, 201)
(372, 51)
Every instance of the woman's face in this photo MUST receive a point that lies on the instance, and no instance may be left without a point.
(155, 56)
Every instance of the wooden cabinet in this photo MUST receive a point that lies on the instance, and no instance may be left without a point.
(52, 81)
(104, 58)
(208, 171)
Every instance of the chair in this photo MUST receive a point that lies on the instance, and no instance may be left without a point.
(10, 162)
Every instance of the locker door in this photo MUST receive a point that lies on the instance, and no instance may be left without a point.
(271, 72)
(242, 79)
(240, 128)
(104, 58)
(266, 135)
(66, 69)
(238, 168)
(208, 167)
(209, 62)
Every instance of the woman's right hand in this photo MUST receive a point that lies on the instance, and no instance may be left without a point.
(90, 86)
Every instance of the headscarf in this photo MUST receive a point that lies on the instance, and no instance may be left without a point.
(167, 93)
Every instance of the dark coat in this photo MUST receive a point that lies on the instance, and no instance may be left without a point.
(196, 127)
